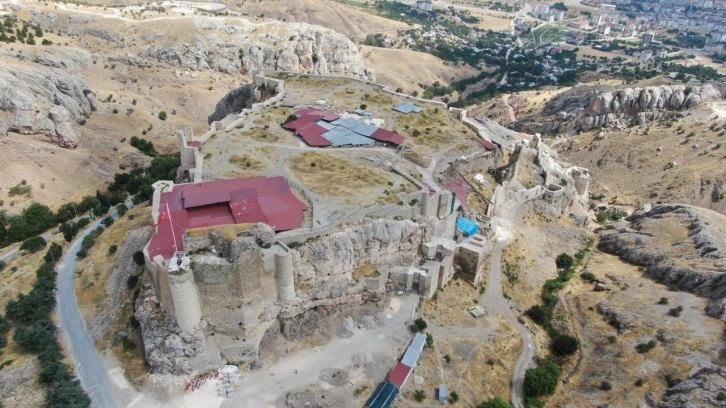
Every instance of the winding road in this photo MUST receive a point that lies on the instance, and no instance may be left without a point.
(94, 376)
(502, 223)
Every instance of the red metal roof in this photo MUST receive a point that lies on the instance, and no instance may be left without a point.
(195, 143)
(327, 116)
(223, 202)
(311, 133)
(488, 145)
(461, 188)
(300, 122)
(383, 135)
(399, 374)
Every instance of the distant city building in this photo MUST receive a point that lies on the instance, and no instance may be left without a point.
(605, 30)
(596, 20)
(607, 7)
(425, 5)
(648, 37)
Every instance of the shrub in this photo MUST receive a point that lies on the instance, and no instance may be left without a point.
(108, 221)
(162, 115)
(139, 258)
(447, 358)
(453, 397)
(33, 245)
(496, 402)
(363, 106)
(606, 386)
(588, 276)
(612, 339)
(663, 301)
(721, 396)
(420, 324)
(671, 381)
(564, 261)
(639, 382)
(128, 345)
(541, 380)
(419, 395)
(675, 311)
(429, 340)
(539, 314)
(645, 347)
(564, 345)
(20, 189)
(112, 249)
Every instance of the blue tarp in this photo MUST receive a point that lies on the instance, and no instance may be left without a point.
(468, 227)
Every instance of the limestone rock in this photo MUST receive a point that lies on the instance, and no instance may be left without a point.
(583, 109)
(48, 98)
(296, 47)
(693, 263)
(701, 390)
(346, 329)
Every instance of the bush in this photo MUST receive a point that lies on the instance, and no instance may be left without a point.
(639, 382)
(721, 396)
(447, 358)
(146, 147)
(108, 221)
(606, 386)
(139, 258)
(564, 261)
(162, 115)
(645, 347)
(419, 395)
(420, 324)
(539, 314)
(128, 345)
(541, 380)
(564, 345)
(663, 301)
(675, 311)
(496, 402)
(453, 397)
(33, 245)
(112, 249)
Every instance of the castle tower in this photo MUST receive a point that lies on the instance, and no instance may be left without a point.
(284, 274)
(187, 307)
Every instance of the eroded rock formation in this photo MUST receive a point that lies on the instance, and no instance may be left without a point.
(46, 95)
(585, 109)
(679, 245)
(294, 47)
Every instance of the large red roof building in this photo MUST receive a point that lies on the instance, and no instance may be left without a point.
(223, 202)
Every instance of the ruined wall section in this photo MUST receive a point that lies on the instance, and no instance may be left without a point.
(324, 266)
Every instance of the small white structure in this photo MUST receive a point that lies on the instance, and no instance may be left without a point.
(479, 178)
(425, 5)
(477, 311)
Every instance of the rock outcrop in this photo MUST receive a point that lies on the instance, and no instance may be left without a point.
(585, 109)
(679, 245)
(233, 102)
(47, 97)
(293, 47)
(705, 388)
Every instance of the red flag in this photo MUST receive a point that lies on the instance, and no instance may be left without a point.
(164, 216)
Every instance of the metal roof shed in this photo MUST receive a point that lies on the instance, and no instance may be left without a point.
(410, 358)
(383, 397)
(399, 374)
(407, 107)
(443, 393)
(341, 136)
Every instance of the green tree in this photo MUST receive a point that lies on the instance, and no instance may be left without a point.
(564, 261)
(38, 31)
(541, 380)
(162, 115)
(564, 345)
(420, 324)
(33, 244)
(496, 402)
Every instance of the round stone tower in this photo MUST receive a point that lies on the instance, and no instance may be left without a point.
(187, 308)
(284, 274)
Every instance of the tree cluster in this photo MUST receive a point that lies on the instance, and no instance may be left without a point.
(35, 333)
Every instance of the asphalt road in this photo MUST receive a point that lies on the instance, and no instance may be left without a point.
(91, 371)
(4, 257)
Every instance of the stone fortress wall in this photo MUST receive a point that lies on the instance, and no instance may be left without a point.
(233, 282)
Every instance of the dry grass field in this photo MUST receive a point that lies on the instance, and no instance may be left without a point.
(682, 343)
(333, 175)
(405, 69)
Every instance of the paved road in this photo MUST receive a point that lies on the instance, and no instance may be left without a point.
(14, 251)
(93, 374)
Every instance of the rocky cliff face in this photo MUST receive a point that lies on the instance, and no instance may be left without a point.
(233, 102)
(45, 94)
(293, 47)
(381, 243)
(586, 109)
(679, 245)
(704, 389)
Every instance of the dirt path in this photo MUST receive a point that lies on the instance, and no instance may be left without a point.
(510, 108)
(504, 217)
